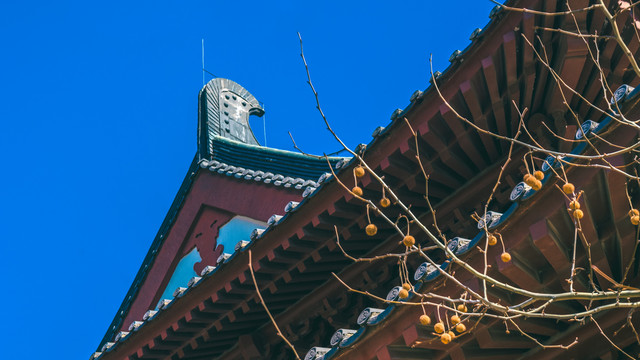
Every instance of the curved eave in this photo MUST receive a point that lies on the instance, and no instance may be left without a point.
(525, 201)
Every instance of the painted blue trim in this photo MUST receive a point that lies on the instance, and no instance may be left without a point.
(330, 353)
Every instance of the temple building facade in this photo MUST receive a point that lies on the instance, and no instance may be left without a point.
(302, 225)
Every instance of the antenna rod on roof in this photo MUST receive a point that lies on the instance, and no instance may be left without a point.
(203, 62)
(264, 125)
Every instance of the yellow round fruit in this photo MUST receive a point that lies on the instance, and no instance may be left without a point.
(536, 184)
(359, 171)
(425, 320)
(371, 229)
(527, 178)
(635, 220)
(445, 338)
(357, 190)
(455, 319)
(406, 286)
(492, 240)
(574, 205)
(538, 174)
(409, 241)
(384, 202)
(462, 308)
(578, 214)
(403, 294)
(506, 257)
(634, 212)
(461, 328)
(568, 188)
(438, 327)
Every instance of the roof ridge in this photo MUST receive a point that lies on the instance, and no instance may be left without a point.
(257, 175)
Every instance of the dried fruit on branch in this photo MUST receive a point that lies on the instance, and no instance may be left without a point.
(538, 174)
(536, 184)
(568, 188)
(403, 293)
(529, 179)
(409, 241)
(574, 205)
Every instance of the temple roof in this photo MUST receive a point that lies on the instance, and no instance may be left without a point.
(219, 151)
(447, 187)
(227, 146)
(371, 320)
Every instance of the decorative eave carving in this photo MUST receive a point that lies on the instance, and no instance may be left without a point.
(223, 110)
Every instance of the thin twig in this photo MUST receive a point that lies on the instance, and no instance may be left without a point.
(609, 340)
(264, 305)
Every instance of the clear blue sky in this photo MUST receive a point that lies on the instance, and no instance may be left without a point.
(98, 111)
